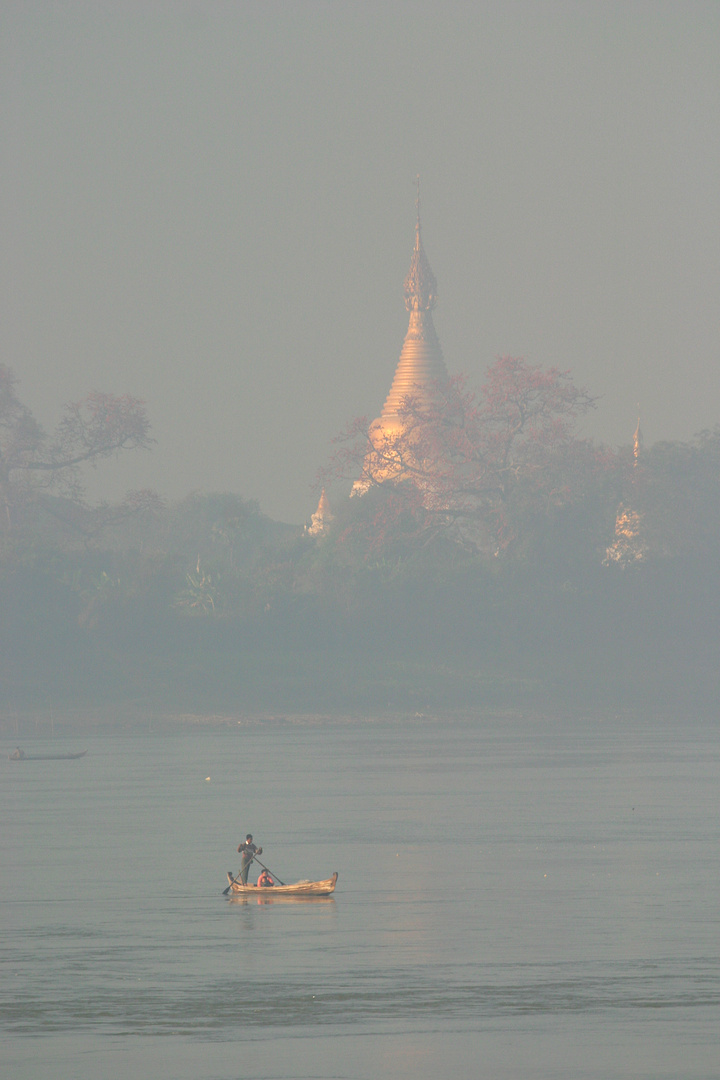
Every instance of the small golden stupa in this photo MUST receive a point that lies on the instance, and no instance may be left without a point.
(420, 370)
(637, 444)
(321, 519)
(628, 545)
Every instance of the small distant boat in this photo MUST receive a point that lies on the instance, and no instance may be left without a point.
(300, 888)
(20, 755)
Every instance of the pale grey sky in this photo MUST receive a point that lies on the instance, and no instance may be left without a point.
(211, 206)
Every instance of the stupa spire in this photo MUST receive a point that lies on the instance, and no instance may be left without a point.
(421, 366)
(420, 283)
(629, 545)
(637, 441)
(420, 370)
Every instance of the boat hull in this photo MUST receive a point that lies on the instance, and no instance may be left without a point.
(47, 757)
(300, 888)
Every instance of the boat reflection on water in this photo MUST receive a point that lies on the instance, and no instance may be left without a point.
(265, 899)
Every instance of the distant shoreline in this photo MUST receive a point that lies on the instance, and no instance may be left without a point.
(44, 725)
(47, 724)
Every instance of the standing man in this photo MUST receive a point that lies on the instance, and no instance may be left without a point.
(247, 852)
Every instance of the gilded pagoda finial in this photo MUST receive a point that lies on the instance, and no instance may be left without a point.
(637, 441)
(420, 283)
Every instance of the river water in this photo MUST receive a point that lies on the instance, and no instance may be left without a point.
(517, 898)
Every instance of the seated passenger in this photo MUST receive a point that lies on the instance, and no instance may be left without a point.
(265, 881)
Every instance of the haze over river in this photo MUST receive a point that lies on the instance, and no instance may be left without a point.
(518, 898)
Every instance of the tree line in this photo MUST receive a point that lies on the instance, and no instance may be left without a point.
(476, 567)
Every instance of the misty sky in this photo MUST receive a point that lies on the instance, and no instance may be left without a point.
(211, 206)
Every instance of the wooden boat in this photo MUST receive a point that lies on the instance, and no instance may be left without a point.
(263, 898)
(20, 755)
(300, 888)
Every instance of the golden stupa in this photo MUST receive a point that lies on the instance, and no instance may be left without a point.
(628, 544)
(420, 372)
(322, 517)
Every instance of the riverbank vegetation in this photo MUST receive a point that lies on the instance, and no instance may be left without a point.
(588, 576)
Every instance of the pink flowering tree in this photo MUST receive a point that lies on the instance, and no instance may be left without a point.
(475, 463)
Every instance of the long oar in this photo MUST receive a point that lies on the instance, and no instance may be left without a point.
(269, 871)
(235, 880)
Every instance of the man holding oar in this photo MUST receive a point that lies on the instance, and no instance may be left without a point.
(247, 852)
